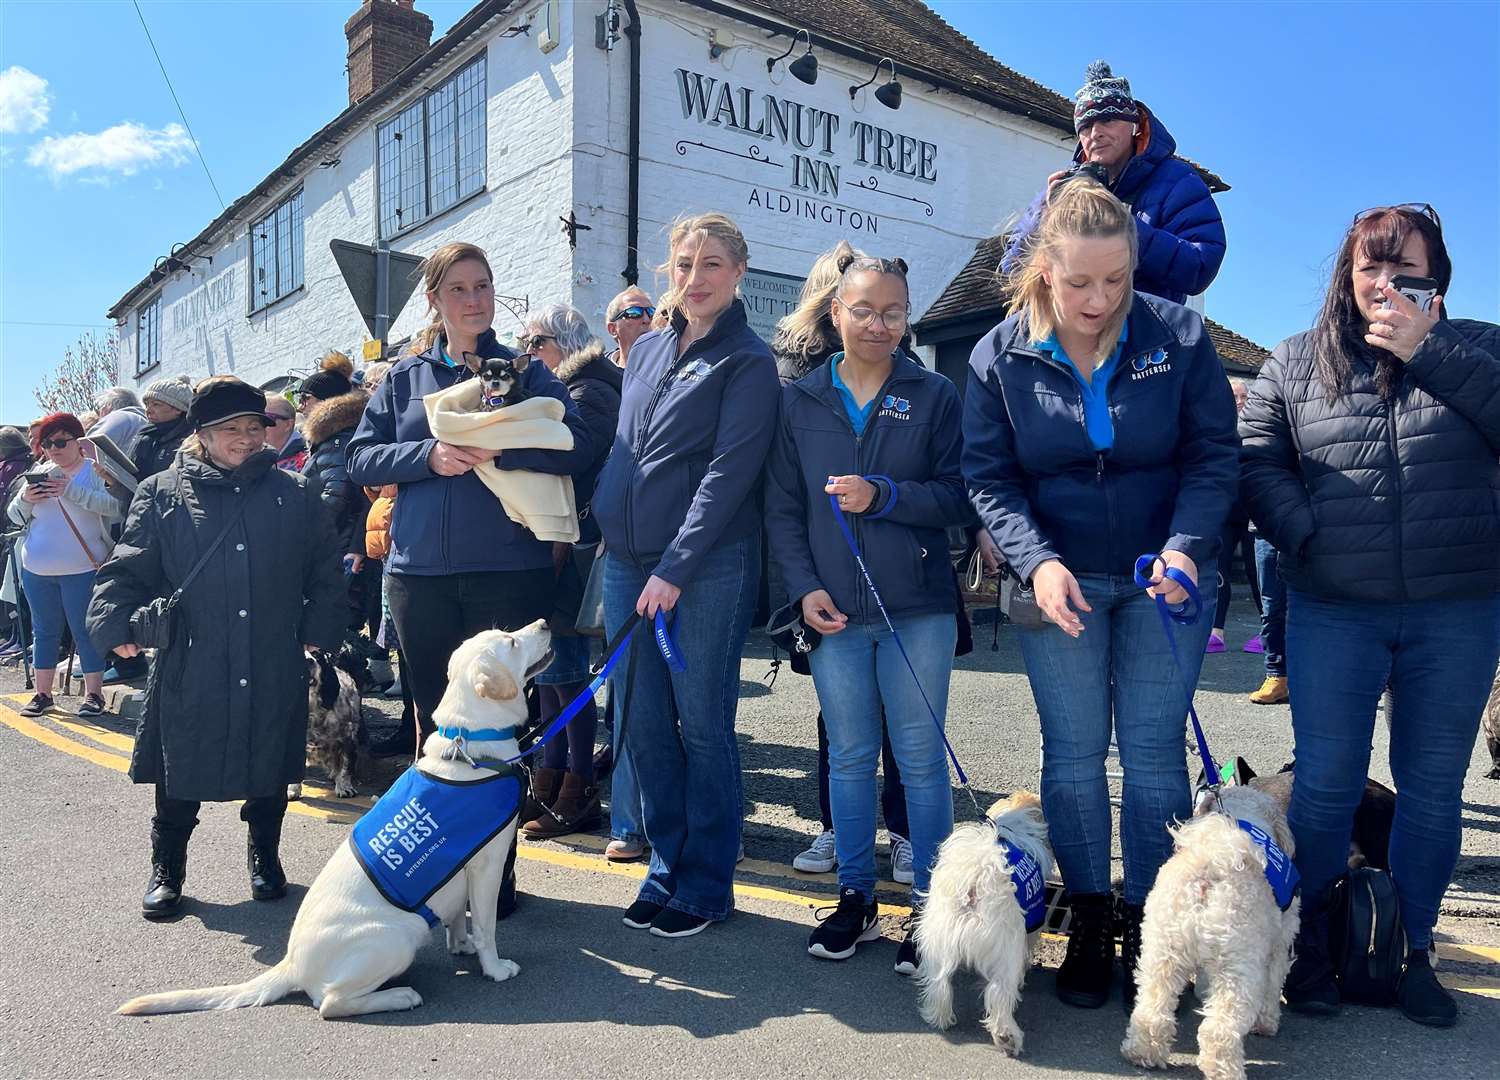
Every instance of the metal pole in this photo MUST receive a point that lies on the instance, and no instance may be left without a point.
(382, 293)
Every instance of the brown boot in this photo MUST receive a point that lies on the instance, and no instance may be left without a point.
(576, 808)
(545, 784)
(1272, 692)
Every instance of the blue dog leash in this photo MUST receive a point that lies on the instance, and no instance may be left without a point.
(838, 513)
(1184, 614)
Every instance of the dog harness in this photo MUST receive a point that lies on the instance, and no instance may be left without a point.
(1031, 890)
(1281, 872)
(425, 829)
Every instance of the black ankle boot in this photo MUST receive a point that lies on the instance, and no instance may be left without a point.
(1130, 948)
(168, 871)
(1086, 971)
(262, 847)
(1310, 986)
(505, 904)
(1421, 997)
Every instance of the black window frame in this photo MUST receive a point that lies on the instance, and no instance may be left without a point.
(416, 182)
(148, 329)
(281, 234)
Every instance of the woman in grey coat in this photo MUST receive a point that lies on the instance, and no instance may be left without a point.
(226, 709)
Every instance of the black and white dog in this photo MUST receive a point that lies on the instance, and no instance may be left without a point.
(501, 379)
(333, 718)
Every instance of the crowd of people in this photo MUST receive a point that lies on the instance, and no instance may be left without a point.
(718, 479)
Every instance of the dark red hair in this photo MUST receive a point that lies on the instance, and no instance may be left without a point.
(44, 428)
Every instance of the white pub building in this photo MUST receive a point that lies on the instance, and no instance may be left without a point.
(564, 138)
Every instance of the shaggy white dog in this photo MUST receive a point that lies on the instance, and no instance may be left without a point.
(348, 940)
(1212, 917)
(973, 918)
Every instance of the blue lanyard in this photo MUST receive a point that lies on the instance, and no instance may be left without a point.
(1184, 614)
(838, 513)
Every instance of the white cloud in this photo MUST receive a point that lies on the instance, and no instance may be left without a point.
(24, 101)
(124, 149)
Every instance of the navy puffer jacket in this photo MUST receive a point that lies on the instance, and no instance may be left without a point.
(1376, 501)
(1178, 228)
(1041, 489)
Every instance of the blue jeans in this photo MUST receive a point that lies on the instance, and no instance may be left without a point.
(57, 601)
(1272, 608)
(1118, 670)
(1440, 660)
(857, 671)
(626, 817)
(679, 735)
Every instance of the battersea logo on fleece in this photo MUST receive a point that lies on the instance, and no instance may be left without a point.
(897, 408)
(424, 829)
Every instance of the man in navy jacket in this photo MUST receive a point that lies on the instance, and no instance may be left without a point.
(1179, 231)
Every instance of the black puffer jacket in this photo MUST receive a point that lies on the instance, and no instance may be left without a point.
(157, 445)
(1374, 501)
(329, 427)
(594, 384)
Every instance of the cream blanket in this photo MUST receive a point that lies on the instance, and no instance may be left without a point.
(537, 501)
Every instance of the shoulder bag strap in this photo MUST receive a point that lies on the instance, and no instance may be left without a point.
(95, 563)
(208, 551)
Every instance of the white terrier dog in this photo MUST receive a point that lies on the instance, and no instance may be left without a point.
(1212, 917)
(976, 914)
(348, 939)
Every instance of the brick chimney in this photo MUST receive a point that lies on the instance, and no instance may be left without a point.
(384, 36)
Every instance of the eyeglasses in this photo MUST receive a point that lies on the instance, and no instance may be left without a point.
(55, 444)
(277, 418)
(536, 341)
(865, 317)
(635, 311)
(1412, 207)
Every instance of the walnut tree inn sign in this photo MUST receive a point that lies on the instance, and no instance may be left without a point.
(810, 175)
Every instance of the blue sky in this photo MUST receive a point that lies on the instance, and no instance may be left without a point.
(1310, 111)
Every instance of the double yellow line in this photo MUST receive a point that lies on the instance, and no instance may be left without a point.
(111, 750)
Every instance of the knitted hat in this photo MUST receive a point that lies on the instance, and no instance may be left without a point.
(225, 398)
(1103, 97)
(13, 443)
(332, 381)
(176, 392)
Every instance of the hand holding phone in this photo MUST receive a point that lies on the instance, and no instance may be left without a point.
(1409, 310)
(1419, 290)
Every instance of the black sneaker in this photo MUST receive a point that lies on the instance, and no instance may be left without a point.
(854, 920)
(674, 924)
(1088, 968)
(1310, 987)
(39, 704)
(93, 705)
(1421, 997)
(907, 958)
(638, 915)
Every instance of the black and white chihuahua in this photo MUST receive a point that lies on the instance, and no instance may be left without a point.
(501, 379)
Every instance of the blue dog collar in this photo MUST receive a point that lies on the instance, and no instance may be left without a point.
(488, 734)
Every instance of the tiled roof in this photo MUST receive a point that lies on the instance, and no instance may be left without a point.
(918, 38)
(974, 292)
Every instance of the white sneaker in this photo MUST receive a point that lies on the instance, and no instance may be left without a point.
(820, 857)
(901, 870)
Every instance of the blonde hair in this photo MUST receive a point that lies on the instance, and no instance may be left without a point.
(1076, 208)
(434, 268)
(713, 224)
(808, 330)
(375, 373)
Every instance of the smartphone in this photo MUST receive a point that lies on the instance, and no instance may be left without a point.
(1419, 290)
(38, 476)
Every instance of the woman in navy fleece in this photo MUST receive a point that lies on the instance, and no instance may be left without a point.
(1098, 426)
(678, 503)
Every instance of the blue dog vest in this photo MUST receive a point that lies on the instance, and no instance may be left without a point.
(425, 829)
(1031, 890)
(1281, 872)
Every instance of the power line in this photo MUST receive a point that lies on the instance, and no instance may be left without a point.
(180, 113)
(89, 325)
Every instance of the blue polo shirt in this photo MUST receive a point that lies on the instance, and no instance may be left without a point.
(1095, 391)
(858, 417)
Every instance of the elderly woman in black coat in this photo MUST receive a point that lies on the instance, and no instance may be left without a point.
(226, 709)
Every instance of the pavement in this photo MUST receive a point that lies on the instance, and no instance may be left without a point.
(595, 998)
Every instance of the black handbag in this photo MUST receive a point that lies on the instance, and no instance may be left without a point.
(590, 620)
(572, 588)
(154, 626)
(790, 633)
(1366, 939)
(1018, 600)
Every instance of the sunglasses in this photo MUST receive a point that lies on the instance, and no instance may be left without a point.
(1412, 207)
(536, 341)
(55, 444)
(635, 311)
(277, 418)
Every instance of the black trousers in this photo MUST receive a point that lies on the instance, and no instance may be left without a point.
(180, 815)
(435, 615)
(1236, 539)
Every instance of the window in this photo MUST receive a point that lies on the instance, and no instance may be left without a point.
(276, 252)
(148, 336)
(431, 155)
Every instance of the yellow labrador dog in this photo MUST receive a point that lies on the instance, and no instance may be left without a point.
(348, 939)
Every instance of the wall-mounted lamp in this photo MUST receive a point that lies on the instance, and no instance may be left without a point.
(888, 94)
(805, 67)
